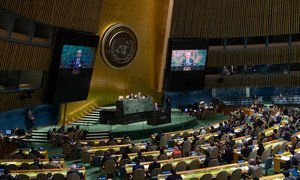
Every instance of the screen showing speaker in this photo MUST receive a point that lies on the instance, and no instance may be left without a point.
(77, 56)
(188, 60)
(186, 63)
(73, 61)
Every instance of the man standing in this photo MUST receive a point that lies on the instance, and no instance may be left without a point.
(187, 62)
(78, 62)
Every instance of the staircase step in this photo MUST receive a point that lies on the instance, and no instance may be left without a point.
(82, 124)
(37, 137)
(36, 140)
(90, 119)
(97, 137)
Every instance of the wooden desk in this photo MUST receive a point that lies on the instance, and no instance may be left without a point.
(26, 151)
(268, 132)
(18, 162)
(237, 152)
(179, 141)
(198, 173)
(96, 141)
(92, 150)
(33, 173)
(174, 162)
(273, 177)
(282, 158)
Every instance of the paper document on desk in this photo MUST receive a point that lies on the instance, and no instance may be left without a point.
(285, 158)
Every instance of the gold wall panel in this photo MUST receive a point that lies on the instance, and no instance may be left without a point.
(147, 19)
(234, 18)
(211, 81)
(83, 15)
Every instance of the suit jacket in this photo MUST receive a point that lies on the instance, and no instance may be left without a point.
(137, 166)
(75, 65)
(189, 63)
(153, 166)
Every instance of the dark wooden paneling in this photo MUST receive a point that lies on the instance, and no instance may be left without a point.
(12, 100)
(234, 18)
(21, 57)
(252, 80)
(253, 56)
(83, 15)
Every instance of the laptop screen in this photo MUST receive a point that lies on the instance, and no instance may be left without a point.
(8, 132)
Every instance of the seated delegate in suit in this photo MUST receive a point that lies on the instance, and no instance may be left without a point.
(137, 166)
(153, 165)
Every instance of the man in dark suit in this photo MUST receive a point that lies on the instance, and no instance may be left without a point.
(137, 166)
(174, 175)
(78, 62)
(153, 165)
(187, 62)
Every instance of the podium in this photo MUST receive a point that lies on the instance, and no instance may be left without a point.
(158, 117)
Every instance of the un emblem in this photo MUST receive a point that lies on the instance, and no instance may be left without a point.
(119, 46)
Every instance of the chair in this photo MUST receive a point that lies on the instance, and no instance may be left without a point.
(12, 167)
(214, 153)
(211, 139)
(186, 147)
(67, 150)
(224, 137)
(206, 177)
(213, 162)
(85, 157)
(163, 141)
(32, 167)
(199, 142)
(282, 146)
(99, 153)
(111, 143)
(267, 165)
(257, 173)
(222, 175)
(138, 174)
(102, 143)
(195, 164)
(58, 139)
(151, 148)
(298, 145)
(22, 177)
(18, 156)
(111, 151)
(275, 150)
(41, 176)
(25, 166)
(181, 166)
(163, 157)
(123, 162)
(155, 172)
(252, 155)
(236, 174)
(123, 149)
(73, 176)
(149, 158)
(58, 176)
(30, 156)
(110, 167)
(167, 167)
(177, 156)
(265, 155)
(125, 141)
(176, 135)
(185, 134)
(91, 143)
